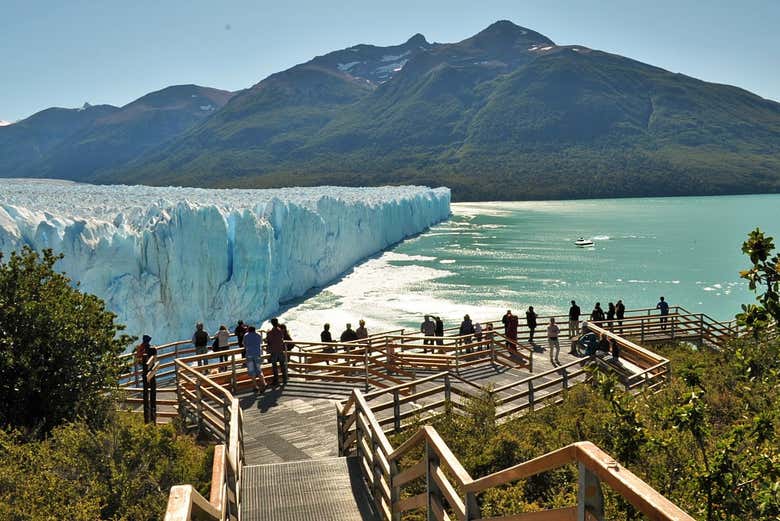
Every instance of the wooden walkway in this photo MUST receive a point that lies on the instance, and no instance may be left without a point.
(296, 421)
(329, 489)
(291, 460)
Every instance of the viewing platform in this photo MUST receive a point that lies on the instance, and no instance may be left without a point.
(385, 384)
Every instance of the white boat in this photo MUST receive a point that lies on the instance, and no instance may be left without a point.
(584, 243)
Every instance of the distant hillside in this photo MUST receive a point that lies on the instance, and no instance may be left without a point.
(30, 140)
(505, 114)
(113, 136)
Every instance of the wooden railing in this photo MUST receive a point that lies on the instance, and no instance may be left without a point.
(450, 489)
(654, 370)
(205, 398)
(207, 404)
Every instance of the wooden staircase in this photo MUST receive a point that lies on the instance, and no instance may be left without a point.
(330, 489)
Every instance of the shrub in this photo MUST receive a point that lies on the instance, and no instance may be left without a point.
(59, 347)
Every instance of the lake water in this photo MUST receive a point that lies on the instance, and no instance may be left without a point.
(490, 257)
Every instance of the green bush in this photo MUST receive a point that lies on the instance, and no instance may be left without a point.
(59, 347)
(122, 472)
(708, 441)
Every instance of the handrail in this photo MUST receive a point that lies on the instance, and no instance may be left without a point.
(184, 502)
(439, 463)
(361, 432)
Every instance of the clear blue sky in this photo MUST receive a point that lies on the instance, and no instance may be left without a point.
(63, 53)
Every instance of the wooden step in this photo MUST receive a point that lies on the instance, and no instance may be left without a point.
(330, 489)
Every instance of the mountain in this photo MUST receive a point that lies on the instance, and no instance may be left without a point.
(504, 114)
(28, 141)
(117, 135)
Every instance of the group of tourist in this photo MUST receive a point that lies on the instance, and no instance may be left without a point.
(251, 341)
(277, 338)
(348, 335)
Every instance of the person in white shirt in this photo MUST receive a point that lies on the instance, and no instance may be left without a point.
(552, 341)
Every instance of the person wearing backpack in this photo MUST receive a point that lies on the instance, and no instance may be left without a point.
(201, 342)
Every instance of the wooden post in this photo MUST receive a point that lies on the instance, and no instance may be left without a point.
(590, 500)
(433, 492)
(233, 373)
(447, 394)
(565, 375)
(358, 433)
(145, 388)
(198, 406)
(674, 321)
(472, 507)
(179, 400)
(365, 366)
(642, 332)
(340, 431)
(457, 359)
(701, 328)
(377, 470)
(153, 393)
(395, 492)
(396, 412)
(531, 394)
(226, 421)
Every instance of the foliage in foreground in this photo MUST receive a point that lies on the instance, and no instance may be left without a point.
(763, 274)
(58, 347)
(122, 472)
(709, 441)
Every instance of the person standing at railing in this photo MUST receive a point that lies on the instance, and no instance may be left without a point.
(597, 315)
(552, 341)
(201, 342)
(253, 342)
(510, 328)
(664, 307)
(620, 312)
(288, 341)
(240, 331)
(439, 331)
(574, 320)
(361, 331)
(275, 341)
(428, 328)
(610, 315)
(466, 328)
(138, 360)
(146, 352)
(348, 335)
(478, 334)
(221, 341)
(327, 337)
(530, 320)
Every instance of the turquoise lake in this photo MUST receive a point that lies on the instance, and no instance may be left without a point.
(490, 257)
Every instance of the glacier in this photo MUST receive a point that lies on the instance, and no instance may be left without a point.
(164, 258)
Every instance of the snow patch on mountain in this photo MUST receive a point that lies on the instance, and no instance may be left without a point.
(392, 58)
(165, 258)
(346, 66)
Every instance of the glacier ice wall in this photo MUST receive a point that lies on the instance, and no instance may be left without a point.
(165, 258)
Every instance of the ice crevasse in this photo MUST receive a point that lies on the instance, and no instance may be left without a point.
(165, 258)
